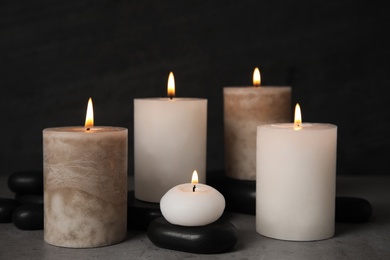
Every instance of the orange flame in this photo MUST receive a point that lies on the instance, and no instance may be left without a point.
(171, 85)
(256, 77)
(297, 117)
(89, 116)
(194, 179)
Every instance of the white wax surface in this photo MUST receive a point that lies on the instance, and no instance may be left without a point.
(169, 144)
(181, 206)
(244, 109)
(85, 186)
(295, 186)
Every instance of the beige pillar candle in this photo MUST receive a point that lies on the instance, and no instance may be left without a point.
(85, 186)
(244, 109)
(295, 187)
(169, 141)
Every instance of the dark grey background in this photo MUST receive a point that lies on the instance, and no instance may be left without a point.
(54, 54)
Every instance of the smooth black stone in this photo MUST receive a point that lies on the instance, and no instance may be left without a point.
(352, 210)
(240, 195)
(26, 182)
(217, 237)
(29, 199)
(28, 217)
(139, 213)
(7, 207)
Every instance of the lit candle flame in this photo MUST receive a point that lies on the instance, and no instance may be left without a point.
(297, 117)
(194, 179)
(171, 85)
(256, 77)
(89, 116)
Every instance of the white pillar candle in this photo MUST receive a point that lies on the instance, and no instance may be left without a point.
(244, 109)
(85, 186)
(295, 186)
(169, 140)
(192, 204)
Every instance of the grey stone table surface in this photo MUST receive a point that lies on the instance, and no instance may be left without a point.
(369, 240)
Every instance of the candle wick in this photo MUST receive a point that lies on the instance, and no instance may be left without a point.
(170, 97)
(297, 126)
(193, 189)
(88, 128)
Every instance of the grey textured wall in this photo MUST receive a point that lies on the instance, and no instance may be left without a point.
(54, 54)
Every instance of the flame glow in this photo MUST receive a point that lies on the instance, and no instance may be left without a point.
(297, 117)
(194, 179)
(89, 116)
(256, 77)
(171, 85)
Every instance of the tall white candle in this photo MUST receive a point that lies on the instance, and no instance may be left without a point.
(85, 185)
(169, 141)
(295, 186)
(244, 109)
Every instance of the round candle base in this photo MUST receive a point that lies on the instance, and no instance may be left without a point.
(283, 238)
(217, 237)
(240, 195)
(76, 219)
(139, 213)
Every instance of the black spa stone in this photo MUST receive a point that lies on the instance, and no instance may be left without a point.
(139, 213)
(217, 237)
(26, 199)
(352, 210)
(7, 207)
(28, 217)
(26, 182)
(240, 195)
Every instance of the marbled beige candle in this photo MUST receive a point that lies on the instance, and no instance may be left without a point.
(244, 109)
(85, 186)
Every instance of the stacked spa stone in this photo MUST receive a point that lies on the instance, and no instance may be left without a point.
(192, 220)
(26, 210)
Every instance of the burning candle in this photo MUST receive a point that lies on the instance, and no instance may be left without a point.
(295, 186)
(169, 140)
(192, 204)
(85, 184)
(244, 109)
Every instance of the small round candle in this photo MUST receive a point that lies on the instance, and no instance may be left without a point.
(295, 186)
(192, 204)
